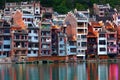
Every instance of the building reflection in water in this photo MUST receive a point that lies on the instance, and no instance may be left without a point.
(113, 72)
(102, 71)
(66, 71)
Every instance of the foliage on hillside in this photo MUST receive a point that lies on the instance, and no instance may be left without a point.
(63, 6)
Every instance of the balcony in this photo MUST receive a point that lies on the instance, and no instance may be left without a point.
(20, 40)
(20, 32)
(112, 45)
(112, 50)
(111, 38)
(20, 48)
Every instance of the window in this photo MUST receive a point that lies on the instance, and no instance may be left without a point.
(36, 37)
(101, 13)
(30, 45)
(61, 51)
(61, 39)
(4, 53)
(92, 40)
(29, 31)
(101, 9)
(34, 52)
(36, 8)
(29, 25)
(6, 30)
(17, 36)
(30, 7)
(0, 46)
(80, 30)
(0, 31)
(72, 49)
(7, 46)
(78, 43)
(78, 50)
(29, 37)
(6, 38)
(36, 45)
(102, 49)
(1, 38)
(102, 42)
(111, 35)
(36, 12)
(80, 24)
(83, 44)
(35, 31)
(83, 36)
(118, 45)
(78, 36)
(29, 52)
(61, 45)
(82, 51)
(71, 43)
(101, 35)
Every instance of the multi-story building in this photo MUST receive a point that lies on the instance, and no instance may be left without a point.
(116, 19)
(5, 39)
(58, 19)
(19, 38)
(62, 44)
(118, 39)
(33, 35)
(100, 10)
(71, 24)
(71, 46)
(33, 40)
(102, 42)
(111, 39)
(55, 30)
(45, 38)
(92, 44)
(82, 31)
(102, 38)
(26, 7)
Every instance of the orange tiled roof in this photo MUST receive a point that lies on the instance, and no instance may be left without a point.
(91, 32)
(110, 27)
(97, 24)
(55, 27)
(72, 38)
(18, 21)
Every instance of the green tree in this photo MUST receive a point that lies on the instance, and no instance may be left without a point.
(80, 6)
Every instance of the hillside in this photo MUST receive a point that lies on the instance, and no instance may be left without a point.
(63, 6)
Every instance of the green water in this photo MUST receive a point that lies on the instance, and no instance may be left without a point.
(71, 71)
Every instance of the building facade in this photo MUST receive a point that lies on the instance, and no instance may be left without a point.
(45, 38)
(82, 31)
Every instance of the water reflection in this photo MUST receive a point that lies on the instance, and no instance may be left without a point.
(71, 71)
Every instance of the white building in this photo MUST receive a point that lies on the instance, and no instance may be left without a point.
(102, 43)
(5, 39)
(33, 34)
(82, 30)
(103, 72)
(102, 37)
(26, 7)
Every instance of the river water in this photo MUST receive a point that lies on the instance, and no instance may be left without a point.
(62, 71)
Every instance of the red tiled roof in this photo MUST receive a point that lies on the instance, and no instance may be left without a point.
(91, 32)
